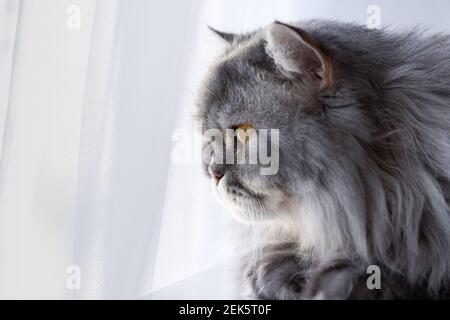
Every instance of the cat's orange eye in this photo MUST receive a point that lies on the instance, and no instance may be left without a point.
(244, 132)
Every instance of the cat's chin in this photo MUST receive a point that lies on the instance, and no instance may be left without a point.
(242, 204)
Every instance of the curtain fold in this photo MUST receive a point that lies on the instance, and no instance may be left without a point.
(9, 17)
(92, 196)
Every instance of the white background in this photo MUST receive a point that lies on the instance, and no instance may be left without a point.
(86, 121)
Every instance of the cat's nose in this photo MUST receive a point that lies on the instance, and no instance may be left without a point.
(217, 172)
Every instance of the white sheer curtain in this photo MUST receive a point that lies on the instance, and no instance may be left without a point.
(91, 115)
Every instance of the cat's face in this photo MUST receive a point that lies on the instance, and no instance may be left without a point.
(270, 80)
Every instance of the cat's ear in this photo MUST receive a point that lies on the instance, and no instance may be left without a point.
(296, 53)
(228, 37)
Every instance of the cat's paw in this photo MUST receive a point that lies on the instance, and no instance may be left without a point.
(333, 281)
(278, 275)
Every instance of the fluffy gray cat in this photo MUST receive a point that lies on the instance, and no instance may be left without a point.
(364, 158)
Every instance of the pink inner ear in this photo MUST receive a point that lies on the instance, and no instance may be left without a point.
(327, 73)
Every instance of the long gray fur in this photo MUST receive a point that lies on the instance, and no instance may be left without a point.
(364, 172)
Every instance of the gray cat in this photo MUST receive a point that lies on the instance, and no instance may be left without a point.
(364, 158)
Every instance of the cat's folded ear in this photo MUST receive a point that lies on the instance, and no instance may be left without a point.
(228, 37)
(296, 53)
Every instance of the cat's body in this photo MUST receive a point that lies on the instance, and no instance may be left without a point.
(364, 167)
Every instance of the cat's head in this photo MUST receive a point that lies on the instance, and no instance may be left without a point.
(281, 79)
